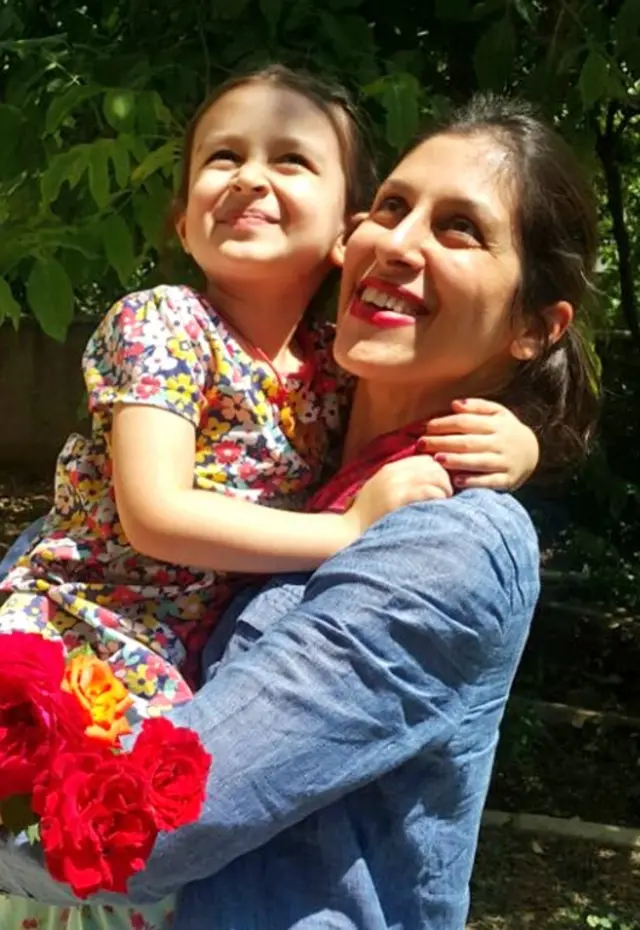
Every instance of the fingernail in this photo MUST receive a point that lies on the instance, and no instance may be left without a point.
(463, 401)
(440, 458)
(459, 481)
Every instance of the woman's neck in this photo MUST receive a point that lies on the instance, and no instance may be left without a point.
(265, 314)
(381, 407)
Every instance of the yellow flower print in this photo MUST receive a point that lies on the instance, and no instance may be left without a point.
(139, 681)
(91, 491)
(182, 388)
(180, 349)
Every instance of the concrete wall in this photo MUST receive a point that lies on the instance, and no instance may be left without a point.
(41, 393)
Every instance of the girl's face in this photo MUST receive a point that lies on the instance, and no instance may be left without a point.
(431, 274)
(266, 187)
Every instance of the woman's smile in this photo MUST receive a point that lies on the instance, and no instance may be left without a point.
(385, 305)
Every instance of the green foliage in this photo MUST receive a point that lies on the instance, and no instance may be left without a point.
(94, 101)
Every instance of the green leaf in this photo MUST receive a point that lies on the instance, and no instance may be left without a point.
(99, 183)
(33, 833)
(150, 213)
(228, 9)
(400, 97)
(594, 79)
(63, 105)
(119, 107)
(68, 166)
(10, 122)
(452, 11)
(119, 155)
(9, 306)
(118, 244)
(146, 116)
(271, 10)
(627, 24)
(163, 113)
(494, 54)
(155, 161)
(17, 813)
(525, 10)
(50, 296)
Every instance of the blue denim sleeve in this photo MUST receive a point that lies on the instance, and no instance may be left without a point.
(376, 664)
(21, 546)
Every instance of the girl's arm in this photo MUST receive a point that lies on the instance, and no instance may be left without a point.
(164, 517)
(484, 441)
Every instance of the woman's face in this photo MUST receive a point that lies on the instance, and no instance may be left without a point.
(431, 273)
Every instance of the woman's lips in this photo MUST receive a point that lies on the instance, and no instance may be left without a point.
(379, 316)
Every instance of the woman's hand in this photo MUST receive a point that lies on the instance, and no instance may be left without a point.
(485, 439)
(418, 478)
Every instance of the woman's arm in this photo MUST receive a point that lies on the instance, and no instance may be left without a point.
(378, 663)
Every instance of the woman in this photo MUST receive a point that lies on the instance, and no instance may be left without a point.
(355, 714)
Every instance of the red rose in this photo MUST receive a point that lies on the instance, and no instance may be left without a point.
(35, 714)
(176, 768)
(96, 828)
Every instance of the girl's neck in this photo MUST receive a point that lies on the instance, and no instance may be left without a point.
(265, 316)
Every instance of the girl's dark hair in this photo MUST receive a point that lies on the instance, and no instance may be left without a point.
(332, 99)
(557, 393)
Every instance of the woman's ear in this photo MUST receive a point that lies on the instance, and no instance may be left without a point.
(531, 341)
(338, 250)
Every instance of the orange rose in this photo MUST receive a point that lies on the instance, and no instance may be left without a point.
(94, 685)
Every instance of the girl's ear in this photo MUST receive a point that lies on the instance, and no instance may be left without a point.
(180, 223)
(557, 317)
(338, 250)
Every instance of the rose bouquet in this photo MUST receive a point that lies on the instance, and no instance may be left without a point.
(65, 778)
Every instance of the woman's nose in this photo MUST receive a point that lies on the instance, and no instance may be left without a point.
(402, 246)
(249, 179)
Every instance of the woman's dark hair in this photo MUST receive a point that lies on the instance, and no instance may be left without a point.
(336, 104)
(557, 393)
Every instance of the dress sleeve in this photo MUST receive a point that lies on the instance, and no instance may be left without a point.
(151, 348)
(388, 650)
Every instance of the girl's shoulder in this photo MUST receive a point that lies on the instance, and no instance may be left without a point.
(154, 313)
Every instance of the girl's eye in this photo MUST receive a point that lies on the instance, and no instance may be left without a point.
(294, 158)
(462, 226)
(223, 155)
(390, 204)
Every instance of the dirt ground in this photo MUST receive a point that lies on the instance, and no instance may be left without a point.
(536, 883)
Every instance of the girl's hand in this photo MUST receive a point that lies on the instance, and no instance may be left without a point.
(485, 439)
(418, 478)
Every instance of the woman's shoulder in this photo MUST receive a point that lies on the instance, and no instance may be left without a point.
(475, 532)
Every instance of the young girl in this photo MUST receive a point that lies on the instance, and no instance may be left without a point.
(227, 390)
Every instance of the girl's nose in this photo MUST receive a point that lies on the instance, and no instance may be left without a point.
(249, 179)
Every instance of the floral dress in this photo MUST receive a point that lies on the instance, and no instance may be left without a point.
(260, 436)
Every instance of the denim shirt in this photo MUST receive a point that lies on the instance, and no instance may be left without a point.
(353, 721)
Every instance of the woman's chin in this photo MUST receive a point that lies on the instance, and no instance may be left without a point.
(376, 361)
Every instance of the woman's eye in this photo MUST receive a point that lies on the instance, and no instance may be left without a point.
(462, 226)
(223, 155)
